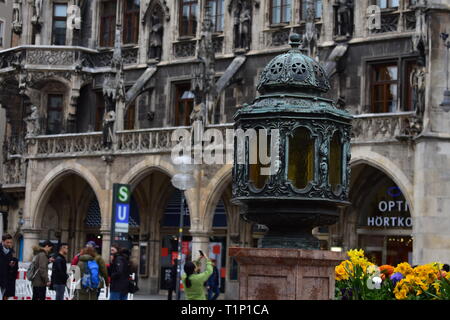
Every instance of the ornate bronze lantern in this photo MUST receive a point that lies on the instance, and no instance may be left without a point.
(311, 180)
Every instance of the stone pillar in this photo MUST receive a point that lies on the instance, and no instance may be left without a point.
(106, 244)
(200, 241)
(30, 239)
(1, 224)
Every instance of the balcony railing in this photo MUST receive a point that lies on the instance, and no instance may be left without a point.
(367, 128)
(384, 127)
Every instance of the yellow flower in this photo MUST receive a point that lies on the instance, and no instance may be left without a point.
(401, 290)
(437, 287)
(371, 269)
(341, 273)
(404, 268)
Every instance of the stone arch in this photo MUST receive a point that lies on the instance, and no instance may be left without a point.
(389, 168)
(44, 190)
(216, 186)
(151, 163)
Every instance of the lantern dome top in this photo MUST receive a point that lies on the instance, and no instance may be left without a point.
(293, 71)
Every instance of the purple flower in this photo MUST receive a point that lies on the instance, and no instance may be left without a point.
(396, 277)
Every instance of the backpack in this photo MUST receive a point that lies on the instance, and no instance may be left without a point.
(32, 270)
(91, 278)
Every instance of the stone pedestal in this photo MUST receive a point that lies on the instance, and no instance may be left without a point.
(286, 274)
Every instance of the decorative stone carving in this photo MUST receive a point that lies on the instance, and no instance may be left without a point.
(242, 20)
(344, 17)
(310, 35)
(389, 23)
(50, 57)
(32, 121)
(37, 11)
(184, 49)
(34, 78)
(420, 37)
(149, 5)
(17, 17)
(418, 85)
(108, 129)
(156, 36)
(130, 55)
(278, 38)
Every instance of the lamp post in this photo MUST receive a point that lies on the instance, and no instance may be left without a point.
(445, 105)
(183, 181)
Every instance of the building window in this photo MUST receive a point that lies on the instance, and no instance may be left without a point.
(107, 23)
(131, 21)
(100, 112)
(130, 117)
(184, 103)
(217, 15)
(318, 8)
(54, 113)
(391, 85)
(384, 87)
(384, 4)
(280, 11)
(188, 17)
(59, 24)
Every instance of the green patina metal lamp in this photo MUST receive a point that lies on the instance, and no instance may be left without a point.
(311, 181)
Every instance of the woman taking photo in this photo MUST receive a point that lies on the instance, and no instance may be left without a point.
(193, 281)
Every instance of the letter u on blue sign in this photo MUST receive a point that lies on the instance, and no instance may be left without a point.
(122, 212)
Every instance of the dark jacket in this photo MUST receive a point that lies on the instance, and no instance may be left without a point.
(41, 278)
(120, 273)
(172, 282)
(213, 280)
(59, 270)
(5, 259)
(8, 274)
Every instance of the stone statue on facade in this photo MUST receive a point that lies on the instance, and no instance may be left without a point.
(37, 11)
(108, 129)
(32, 122)
(17, 16)
(242, 19)
(245, 26)
(156, 36)
(323, 166)
(344, 17)
(418, 85)
(310, 37)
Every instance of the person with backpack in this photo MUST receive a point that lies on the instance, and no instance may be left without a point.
(91, 275)
(193, 281)
(120, 273)
(38, 271)
(213, 284)
(8, 268)
(59, 271)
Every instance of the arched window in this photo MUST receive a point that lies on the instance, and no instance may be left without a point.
(336, 161)
(131, 21)
(301, 158)
(188, 17)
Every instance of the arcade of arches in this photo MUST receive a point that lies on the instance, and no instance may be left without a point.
(378, 221)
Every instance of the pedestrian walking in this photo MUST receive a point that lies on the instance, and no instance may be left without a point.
(59, 271)
(38, 271)
(91, 275)
(172, 281)
(213, 284)
(193, 281)
(120, 273)
(8, 268)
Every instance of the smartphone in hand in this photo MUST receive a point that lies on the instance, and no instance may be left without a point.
(201, 253)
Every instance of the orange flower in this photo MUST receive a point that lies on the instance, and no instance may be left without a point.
(387, 270)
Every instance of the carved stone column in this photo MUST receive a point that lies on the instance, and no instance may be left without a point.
(106, 244)
(200, 241)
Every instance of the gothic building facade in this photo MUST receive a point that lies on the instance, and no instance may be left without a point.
(93, 90)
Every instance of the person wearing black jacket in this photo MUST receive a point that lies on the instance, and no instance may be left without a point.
(59, 271)
(8, 268)
(120, 273)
